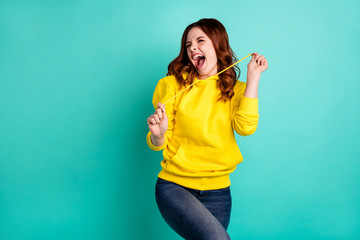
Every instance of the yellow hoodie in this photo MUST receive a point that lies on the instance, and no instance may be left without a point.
(200, 150)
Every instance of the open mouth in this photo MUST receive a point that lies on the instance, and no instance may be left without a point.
(199, 60)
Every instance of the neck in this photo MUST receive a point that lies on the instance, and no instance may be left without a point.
(212, 73)
(202, 77)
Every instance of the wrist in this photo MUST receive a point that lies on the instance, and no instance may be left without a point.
(158, 136)
(253, 76)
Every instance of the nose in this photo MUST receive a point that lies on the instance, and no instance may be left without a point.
(193, 47)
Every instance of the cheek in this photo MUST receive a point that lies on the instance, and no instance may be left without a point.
(188, 54)
(212, 53)
(213, 56)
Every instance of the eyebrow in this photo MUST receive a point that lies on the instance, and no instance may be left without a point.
(196, 39)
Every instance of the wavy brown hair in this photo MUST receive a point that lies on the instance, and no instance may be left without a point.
(219, 37)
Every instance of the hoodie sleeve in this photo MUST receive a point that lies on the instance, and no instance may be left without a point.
(163, 92)
(244, 111)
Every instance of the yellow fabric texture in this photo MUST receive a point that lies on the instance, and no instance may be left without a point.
(200, 150)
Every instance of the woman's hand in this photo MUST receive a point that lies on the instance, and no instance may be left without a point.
(257, 64)
(158, 122)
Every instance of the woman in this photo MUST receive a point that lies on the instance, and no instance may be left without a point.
(196, 130)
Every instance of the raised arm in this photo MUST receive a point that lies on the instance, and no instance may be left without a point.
(256, 66)
(245, 116)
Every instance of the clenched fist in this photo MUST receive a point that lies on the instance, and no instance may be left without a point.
(158, 122)
(257, 64)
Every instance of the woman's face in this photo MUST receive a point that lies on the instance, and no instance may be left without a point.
(201, 53)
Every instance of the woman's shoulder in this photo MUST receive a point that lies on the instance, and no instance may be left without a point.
(170, 81)
(167, 82)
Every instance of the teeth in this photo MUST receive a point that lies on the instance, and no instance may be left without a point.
(197, 56)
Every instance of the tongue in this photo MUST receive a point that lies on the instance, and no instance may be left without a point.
(201, 62)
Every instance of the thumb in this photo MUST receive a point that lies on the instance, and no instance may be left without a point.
(162, 106)
(164, 115)
(254, 56)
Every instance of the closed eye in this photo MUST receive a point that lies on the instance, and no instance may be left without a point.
(199, 40)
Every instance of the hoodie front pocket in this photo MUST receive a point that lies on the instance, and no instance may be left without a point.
(192, 158)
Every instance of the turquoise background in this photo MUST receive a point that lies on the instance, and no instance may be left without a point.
(76, 83)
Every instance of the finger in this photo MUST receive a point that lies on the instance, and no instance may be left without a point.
(260, 58)
(164, 117)
(264, 64)
(161, 106)
(253, 56)
(152, 121)
(159, 113)
(257, 58)
(156, 117)
(264, 61)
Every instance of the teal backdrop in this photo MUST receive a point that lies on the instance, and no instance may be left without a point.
(76, 84)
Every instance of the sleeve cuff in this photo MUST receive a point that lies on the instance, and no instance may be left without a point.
(249, 105)
(152, 146)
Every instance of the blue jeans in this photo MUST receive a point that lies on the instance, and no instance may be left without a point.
(194, 214)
